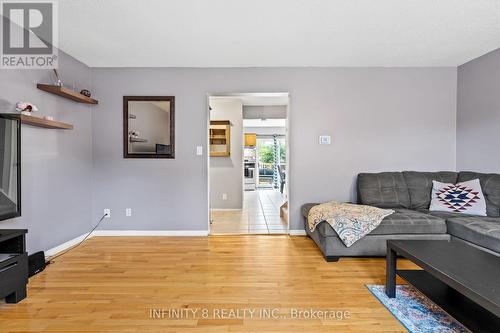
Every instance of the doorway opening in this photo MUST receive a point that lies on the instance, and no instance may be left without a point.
(248, 163)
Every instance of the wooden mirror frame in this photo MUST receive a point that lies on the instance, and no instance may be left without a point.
(127, 99)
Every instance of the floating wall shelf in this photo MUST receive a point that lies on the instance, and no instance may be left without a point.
(66, 93)
(137, 140)
(45, 123)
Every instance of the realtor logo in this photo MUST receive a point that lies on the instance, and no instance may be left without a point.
(29, 34)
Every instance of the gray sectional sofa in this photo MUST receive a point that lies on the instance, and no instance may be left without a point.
(409, 194)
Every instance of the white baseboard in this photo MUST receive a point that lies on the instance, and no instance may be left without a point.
(55, 250)
(299, 232)
(151, 233)
(98, 233)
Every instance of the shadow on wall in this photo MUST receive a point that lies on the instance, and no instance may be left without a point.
(6, 106)
(354, 189)
(221, 162)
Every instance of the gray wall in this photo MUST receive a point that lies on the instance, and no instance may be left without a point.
(478, 114)
(56, 164)
(379, 119)
(226, 173)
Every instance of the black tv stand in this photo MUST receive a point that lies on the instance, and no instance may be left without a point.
(13, 265)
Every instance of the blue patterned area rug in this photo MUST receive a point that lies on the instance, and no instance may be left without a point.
(416, 312)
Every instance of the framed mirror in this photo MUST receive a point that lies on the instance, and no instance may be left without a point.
(148, 126)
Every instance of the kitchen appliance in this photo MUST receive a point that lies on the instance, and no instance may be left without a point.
(250, 173)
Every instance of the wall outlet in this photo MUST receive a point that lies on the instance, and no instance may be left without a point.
(128, 211)
(224, 196)
(107, 212)
(199, 150)
(325, 140)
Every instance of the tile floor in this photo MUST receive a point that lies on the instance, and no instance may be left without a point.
(260, 215)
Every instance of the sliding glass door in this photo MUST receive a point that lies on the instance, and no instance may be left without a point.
(271, 157)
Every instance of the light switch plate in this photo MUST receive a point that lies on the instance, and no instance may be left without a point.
(325, 140)
(128, 211)
(199, 150)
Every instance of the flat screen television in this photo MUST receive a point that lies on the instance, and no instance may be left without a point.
(10, 166)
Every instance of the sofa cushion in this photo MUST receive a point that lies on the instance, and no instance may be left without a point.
(403, 221)
(482, 231)
(384, 190)
(420, 185)
(306, 208)
(444, 215)
(406, 221)
(490, 184)
(465, 197)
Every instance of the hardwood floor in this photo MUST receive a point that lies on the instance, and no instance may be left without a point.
(110, 284)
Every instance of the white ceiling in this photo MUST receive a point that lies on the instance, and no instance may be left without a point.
(257, 99)
(260, 33)
(265, 100)
(264, 122)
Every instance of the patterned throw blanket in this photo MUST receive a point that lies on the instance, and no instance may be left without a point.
(351, 222)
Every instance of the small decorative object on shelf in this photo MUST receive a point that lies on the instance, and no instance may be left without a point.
(86, 93)
(58, 82)
(26, 108)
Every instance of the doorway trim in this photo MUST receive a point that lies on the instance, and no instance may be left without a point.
(287, 143)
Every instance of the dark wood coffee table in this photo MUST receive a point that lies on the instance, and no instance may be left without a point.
(463, 280)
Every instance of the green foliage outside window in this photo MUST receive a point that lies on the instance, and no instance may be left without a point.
(266, 153)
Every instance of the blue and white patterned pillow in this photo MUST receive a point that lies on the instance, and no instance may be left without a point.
(466, 198)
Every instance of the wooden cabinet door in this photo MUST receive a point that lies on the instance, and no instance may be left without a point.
(220, 138)
(250, 139)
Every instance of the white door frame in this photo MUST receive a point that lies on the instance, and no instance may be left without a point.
(287, 142)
